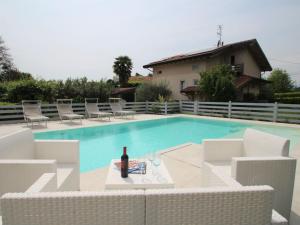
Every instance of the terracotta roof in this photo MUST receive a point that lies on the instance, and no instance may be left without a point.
(117, 91)
(190, 89)
(139, 79)
(245, 79)
(252, 44)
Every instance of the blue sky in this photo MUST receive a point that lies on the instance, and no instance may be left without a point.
(57, 39)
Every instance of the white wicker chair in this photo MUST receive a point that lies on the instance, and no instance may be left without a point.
(210, 206)
(257, 159)
(206, 206)
(74, 208)
(24, 161)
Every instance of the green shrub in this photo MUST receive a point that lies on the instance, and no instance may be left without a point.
(23, 89)
(49, 91)
(288, 97)
(3, 91)
(289, 100)
(288, 94)
(153, 91)
(6, 103)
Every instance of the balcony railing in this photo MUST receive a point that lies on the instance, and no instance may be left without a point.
(238, 68)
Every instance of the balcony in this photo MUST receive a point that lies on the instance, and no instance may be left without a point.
(238, 68)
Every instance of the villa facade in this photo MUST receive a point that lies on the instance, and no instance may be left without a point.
(182, 71)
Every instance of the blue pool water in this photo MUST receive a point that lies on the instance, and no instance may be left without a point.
(98, 145)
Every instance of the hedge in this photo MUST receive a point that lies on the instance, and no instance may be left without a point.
(288, 94)
(288, 97)
(49, 91)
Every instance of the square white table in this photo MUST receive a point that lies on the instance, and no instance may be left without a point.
(160, 179)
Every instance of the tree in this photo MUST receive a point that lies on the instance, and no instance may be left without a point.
(14, 74)
(5, 58)
(152, 91)
(280, 81)
(216, 84)
(8, 72)
(122, 67)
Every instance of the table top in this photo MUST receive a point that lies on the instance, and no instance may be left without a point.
(155, 177)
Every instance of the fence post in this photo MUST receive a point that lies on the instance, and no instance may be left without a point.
(275, 111)
(195, 107)
(166, 108)
(229, 109)
(146, 106)
(180, 106)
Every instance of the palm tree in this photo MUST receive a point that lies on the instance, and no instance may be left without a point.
(122, 67)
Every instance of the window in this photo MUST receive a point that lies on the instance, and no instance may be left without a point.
(195, 82)
(232, 60)
(195, 67)
(182, 82)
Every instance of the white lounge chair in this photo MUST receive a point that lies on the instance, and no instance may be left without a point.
(26, 164)
(65, 110)
(215, 206)
(257, 159)
(117, 109)
(32, 112)
(92, 109)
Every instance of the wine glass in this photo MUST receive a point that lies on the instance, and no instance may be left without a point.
(150, 157)
(156, 164)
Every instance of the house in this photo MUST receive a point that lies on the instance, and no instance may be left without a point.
(182, 71)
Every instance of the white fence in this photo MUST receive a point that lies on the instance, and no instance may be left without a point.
(15, 113)
(287, 113)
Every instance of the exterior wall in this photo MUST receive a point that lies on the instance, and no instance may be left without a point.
(174, 73)
(188, 71)
(250, 66)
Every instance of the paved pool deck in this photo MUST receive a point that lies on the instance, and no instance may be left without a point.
(183, 163)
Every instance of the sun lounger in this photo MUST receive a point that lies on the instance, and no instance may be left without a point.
(92, 109)
(117, 110)
(65, 110)
(32, 112)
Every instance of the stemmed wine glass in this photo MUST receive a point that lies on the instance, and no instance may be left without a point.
(156, 164)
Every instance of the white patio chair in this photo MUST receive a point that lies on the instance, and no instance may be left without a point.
(32, 112)
(28, 165)
(257, 159)
(117, 109)
(214, 206)
(65, 110)
(92, 109)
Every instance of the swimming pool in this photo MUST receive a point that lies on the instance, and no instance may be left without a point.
(100, 144)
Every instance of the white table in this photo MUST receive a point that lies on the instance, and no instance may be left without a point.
(159, 179)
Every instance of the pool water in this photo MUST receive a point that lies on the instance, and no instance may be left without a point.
(100, 144)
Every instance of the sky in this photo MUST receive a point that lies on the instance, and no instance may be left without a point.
(57, 39)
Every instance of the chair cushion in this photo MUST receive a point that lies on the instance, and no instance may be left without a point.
(67, 176)
(17, 145)
(258, 143)
(224, 166)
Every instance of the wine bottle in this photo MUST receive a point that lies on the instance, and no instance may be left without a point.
(124, 163)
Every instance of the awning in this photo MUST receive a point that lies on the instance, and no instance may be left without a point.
(118, 91)
(243, 80)
(190, 89)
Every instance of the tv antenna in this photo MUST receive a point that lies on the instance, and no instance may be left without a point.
(219, 33)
